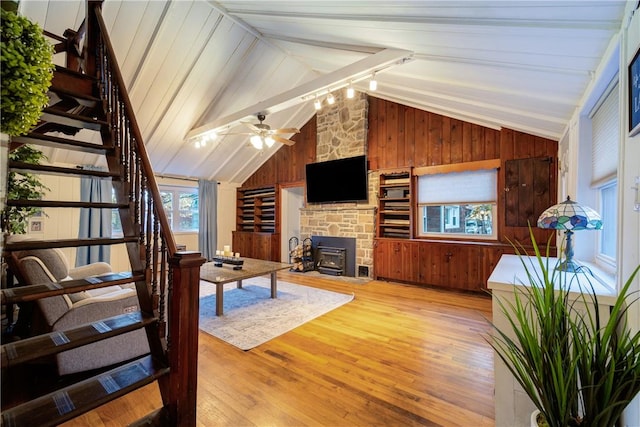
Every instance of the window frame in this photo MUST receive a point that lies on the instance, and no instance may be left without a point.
(174, 218)
(605, 261)
(424, 173)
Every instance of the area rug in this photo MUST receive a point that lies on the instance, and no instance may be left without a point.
(251, 317)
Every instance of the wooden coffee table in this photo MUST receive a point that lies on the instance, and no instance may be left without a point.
(251, 268)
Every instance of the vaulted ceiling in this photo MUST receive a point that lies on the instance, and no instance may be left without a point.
(192, 66)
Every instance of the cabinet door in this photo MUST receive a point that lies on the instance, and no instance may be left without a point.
(242, 243)
(410, 261)
(466, 268)
(381, 257)
(528, 190)
(431, 268)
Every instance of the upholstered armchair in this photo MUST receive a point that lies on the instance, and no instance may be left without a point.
(63, 312)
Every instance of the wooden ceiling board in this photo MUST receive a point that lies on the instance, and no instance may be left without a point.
(137, 40)
(178, 64)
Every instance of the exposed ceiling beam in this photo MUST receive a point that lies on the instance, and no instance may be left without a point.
(432, 19)
(374, 63)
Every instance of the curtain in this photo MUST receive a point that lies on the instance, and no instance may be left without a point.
(94, 222)
(208, 224)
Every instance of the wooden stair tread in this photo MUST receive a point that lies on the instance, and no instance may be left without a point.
(67, 243)
(74, 94)
(76, 74)
(52, 115)
(57, 170)
(69, 402)
(64, 204)
(49, 289)
(63, 143)
(25, 350)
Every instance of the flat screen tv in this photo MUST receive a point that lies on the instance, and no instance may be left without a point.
(342, 180)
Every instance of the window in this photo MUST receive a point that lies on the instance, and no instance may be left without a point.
(468, 211)
(605, 127)
(116, 225)
(608, 212)
(181, 207)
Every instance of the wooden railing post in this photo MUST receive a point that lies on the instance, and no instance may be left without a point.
(184, 291)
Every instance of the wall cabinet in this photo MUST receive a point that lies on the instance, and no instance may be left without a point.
(396, 260)
(451, 265)
(257, 245)
(394, 204)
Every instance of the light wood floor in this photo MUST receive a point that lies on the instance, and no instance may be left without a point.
(397, 355)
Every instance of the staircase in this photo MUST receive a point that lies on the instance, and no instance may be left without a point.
(89, 94)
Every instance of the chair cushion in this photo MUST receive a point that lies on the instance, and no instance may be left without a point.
(53, 259)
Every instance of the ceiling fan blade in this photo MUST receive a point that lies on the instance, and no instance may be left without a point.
(286, 130)
(252, 126)
(283, 140)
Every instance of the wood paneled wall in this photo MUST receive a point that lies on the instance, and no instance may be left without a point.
(288, 164)
(401, 136)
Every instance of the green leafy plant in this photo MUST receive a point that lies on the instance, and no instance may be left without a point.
(22, 185)
(26, 73)
(578, 369)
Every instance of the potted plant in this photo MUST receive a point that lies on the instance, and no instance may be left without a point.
(26, 72)
(577, 368)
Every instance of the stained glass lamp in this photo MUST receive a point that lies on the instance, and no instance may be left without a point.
(569, 216)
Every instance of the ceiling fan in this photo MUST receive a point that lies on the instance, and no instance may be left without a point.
(262, 134)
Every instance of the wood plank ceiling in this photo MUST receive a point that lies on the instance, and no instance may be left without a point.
(187, 64)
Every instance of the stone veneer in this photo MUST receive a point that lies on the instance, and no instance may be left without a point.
(342, 132)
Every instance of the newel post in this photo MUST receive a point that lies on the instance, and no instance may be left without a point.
(183, 337)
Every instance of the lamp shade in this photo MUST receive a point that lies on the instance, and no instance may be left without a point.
(570, 216)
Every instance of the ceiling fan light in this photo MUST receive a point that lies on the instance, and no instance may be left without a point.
(256, 141)
(269, 141)
(350, 92)
(373, 83)
(317, 104)
(330, 99)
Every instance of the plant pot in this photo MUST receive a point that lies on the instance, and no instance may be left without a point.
(534, 416)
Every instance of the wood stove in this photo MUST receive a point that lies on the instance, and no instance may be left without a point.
(332, 260)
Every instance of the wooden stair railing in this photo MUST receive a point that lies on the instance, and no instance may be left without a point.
(90, 94)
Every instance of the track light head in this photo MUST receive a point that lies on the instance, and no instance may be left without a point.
(330, 99)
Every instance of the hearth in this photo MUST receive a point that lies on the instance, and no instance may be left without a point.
(332, 260)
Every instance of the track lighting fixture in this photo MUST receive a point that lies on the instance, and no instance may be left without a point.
(317, 103)
(330, 99)
(373, 83)
(350, 92)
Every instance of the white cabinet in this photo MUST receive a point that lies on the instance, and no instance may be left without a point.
(512, 406)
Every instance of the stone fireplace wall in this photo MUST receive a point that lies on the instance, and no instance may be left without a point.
(342, 132)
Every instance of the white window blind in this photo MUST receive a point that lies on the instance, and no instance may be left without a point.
(605, 128)
(458, 187)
